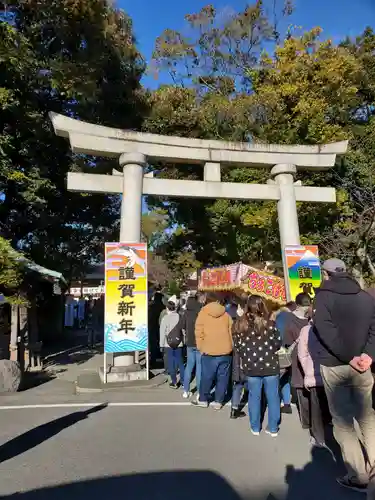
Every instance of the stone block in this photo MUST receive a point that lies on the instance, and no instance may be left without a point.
(123, 374)
(10, 376)
(89, 382)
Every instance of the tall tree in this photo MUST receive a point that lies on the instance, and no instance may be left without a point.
(77, 58)
(210, 100)
(11, 272)
(304, 91)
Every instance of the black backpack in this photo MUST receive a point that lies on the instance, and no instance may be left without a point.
(175, 336)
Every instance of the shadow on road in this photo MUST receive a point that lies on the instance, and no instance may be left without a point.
(35, 379)
(38, 435)
(316, 481)
(72, 356)
(165, 485)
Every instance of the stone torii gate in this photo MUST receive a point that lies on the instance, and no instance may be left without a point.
(134, 149)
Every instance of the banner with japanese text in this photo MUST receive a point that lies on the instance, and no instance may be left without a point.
(304, 274)
(219, 278)
(240, 276)
(266, 285)
(126, 303)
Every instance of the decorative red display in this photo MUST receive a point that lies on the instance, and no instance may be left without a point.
(216, 278)
(240, 276)
(266, 285)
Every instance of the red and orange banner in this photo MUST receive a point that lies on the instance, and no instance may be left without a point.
(266, 285)
(246, 278)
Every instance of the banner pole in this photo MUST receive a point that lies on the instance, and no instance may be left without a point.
(148, 364)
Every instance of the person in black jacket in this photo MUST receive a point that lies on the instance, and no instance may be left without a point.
(257, 340)
(187, 323)
(294, 323)
(344, 323)
(155, 309)
(239, 380)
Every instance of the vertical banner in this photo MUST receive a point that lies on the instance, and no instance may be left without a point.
(304, 274)
(126, 302)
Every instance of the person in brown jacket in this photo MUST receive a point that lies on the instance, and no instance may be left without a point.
(213, 334)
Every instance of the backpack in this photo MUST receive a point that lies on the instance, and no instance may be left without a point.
(175, 337)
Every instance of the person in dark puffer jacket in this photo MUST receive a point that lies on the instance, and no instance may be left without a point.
(239, 380)
(188, 320)
(295, 321)
(344, 324)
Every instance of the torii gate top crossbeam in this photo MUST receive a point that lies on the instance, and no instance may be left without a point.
(97, 140)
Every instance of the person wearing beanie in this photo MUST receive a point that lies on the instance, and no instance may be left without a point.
(344, 324)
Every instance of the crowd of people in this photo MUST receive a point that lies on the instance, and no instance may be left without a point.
(85, 313)
(320, 351)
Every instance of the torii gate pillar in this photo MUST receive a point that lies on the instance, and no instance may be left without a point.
(283, 176)
(132, 165)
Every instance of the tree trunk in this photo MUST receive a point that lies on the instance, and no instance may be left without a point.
(370, 264)
(358, 274)
(359, 267)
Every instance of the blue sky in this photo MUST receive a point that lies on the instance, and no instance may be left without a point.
(337, 18)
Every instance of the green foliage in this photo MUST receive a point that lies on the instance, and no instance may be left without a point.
(307, 91)
(173, 288)
(235, 78)
(218, 45)
(77, 58)
(154, 225)
(11, 272)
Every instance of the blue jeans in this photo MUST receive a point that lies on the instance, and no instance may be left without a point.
(215, 369)
(175, 362)
(238, 388)
(285, 389)
(193, 361)
(271, 389)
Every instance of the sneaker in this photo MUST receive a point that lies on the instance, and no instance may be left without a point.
(216, 406)
(254, 433)
(286, 409)
(236, 413)
(200, 404)
(173, 386)
(272, 434)
(186, 394)
(352, 485)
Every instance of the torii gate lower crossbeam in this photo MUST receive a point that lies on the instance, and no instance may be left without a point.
(281, 188)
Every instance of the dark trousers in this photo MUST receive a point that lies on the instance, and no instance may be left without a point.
(175, 362)
(165, 358)
(313, 411)
(237, 392)
(215, 370)
(285, 388)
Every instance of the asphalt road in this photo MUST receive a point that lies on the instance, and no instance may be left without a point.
(142, 451)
